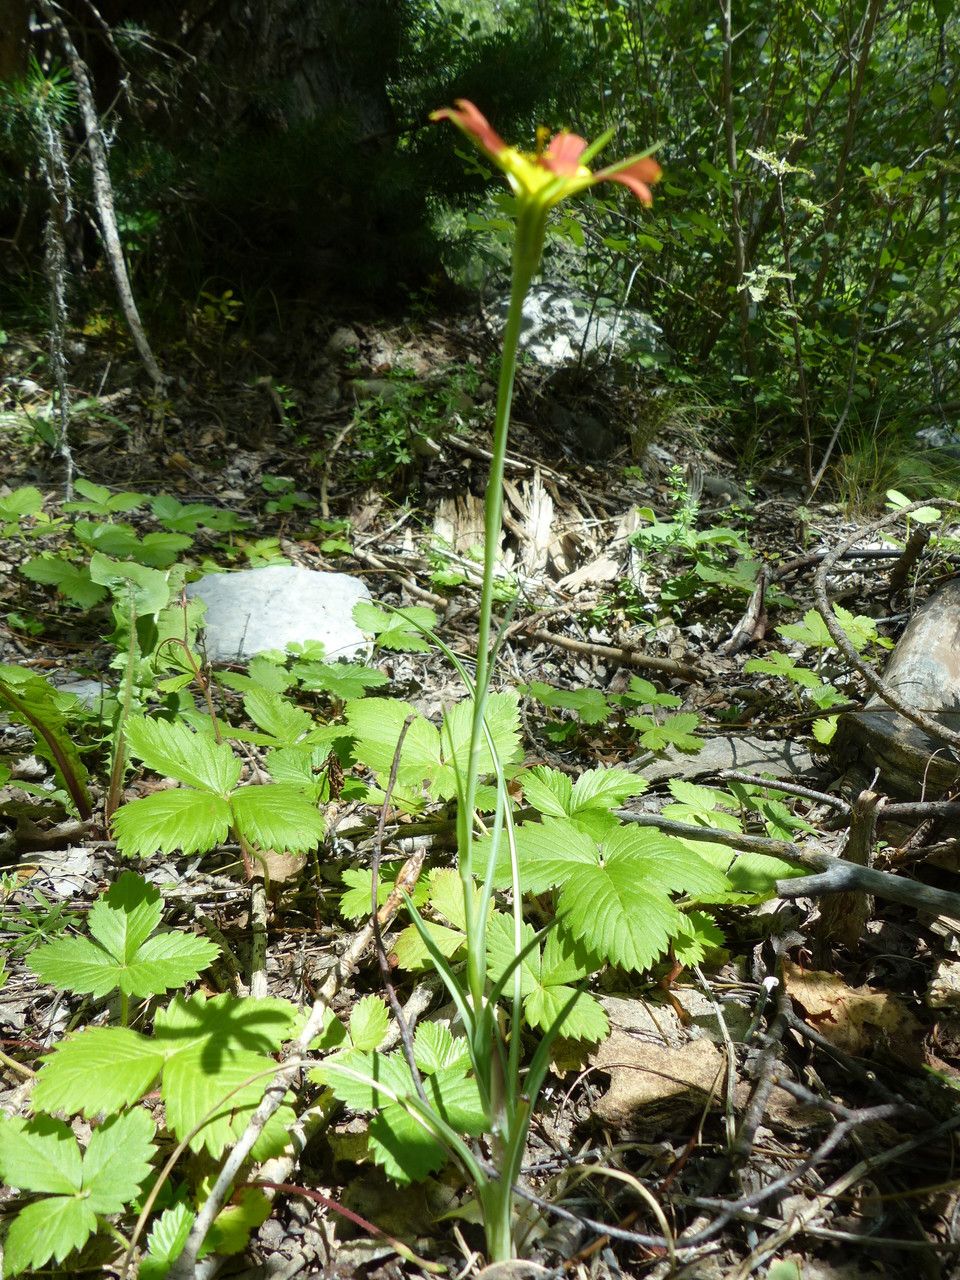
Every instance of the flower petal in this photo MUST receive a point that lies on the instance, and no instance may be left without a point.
(473, 122)
(638, 175)
(563, 154)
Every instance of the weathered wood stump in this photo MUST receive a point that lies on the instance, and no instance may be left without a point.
(924, 670)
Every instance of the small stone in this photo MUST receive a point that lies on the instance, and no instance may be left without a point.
(944, 989)
(258, 609)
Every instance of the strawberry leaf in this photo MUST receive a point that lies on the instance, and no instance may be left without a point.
(173, 751)
(191, 821)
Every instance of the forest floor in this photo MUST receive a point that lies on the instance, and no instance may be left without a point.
(784, 1107)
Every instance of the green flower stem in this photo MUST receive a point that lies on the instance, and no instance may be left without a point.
(528, 244)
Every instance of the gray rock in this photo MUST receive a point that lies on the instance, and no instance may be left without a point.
(559, 328)
(258, 609)
(749, 754)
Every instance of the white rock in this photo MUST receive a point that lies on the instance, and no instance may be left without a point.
(559, 328)
(258, 609)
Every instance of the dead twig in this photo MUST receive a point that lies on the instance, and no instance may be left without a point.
(628, 656)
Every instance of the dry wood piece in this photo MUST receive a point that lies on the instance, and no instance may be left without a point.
(923, 673)
(844, 915)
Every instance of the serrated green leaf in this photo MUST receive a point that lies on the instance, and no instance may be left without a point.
(123, 918)
(195, 1086)
(435, 1048)
(49, 1228)
(548, 851)
(376, 724)
(811, 632)
(98, 1071)
(402, 1146)
(277, 716)
(278, 817)
(824, 729)
(353, 1077)
(585, 1021)
(147, 591)
(674, 731)
(356, 902)
(369, 1020)
(233, 1225)
(605, 789)
(410, 951)
(25, 501)
(343, 680)
(165, 1241)
(76, 964)
(174, 751)
(503, 722)
(618, 901)
(192, 821)
(70, 580)
(698, 935)
(627, 923)
(211, 1047)
(40, 1154)
(548, 790)
(396, 629)
(117, 1160)
(778, 664)
(588, 704)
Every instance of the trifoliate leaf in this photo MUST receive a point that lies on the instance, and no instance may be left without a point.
(588, 704)
(369, 1020)
(642, 693)
(97, 1072)
(122, 954)
(355, 904)
(192, 821)
(811, 632)
(778, 664)
(674, 731)
(188, 517)
(397, 629)
(100, 501)
(278, 817)
(173, 751)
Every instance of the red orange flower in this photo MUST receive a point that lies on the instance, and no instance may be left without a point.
(558, 170)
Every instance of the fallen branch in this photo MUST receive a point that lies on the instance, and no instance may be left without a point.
(832, 874)
(628, 656)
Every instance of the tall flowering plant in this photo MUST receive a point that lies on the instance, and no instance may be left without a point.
(506, 1091)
